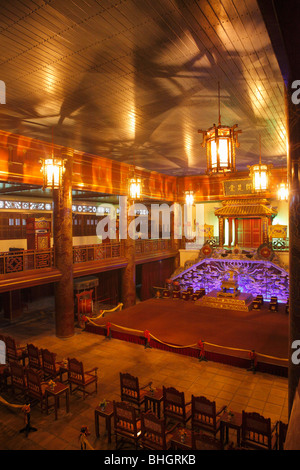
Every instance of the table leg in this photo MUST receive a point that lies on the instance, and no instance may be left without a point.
(67, 401)
(97, 424)
(238, 437)
(108, 427)
(55, 406)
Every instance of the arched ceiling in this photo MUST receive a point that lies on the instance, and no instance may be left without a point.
(134, 80)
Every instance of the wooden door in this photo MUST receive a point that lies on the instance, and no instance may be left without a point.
(249, 233)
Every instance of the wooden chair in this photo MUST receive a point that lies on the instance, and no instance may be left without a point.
(257, 432)
(202, 441)
(18, 378)
(127, 426)
(79, 378)
(130, 390)
(205, 416)
(175, 407)
(154, 433)
(14, 352)
(281, 430)
(34, 358)
(50, 367)
(35, 387)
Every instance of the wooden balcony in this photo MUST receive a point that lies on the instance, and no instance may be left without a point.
(26, 268)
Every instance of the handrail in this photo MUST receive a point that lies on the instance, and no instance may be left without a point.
(24, 260)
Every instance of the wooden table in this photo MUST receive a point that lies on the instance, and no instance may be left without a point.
(178, 443)
(106, 413)
(154, 399)
(233, 422)
(56, 392)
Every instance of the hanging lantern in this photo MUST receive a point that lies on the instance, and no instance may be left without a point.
(135, 188)
(221, 142)
(283, 192)
(260, 174)
(189, 198)
(53, 169)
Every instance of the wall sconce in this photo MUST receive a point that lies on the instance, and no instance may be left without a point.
(283, 192)
(53, 169)
(189, 198)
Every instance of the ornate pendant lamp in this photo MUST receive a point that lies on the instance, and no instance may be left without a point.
(134, 186)
(53, 169)
(260, 174)
(221, 142)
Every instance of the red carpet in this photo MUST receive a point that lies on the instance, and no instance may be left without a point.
(179, 322)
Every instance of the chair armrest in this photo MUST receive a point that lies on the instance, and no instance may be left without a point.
(145, 386)
(188, 403)
(221, 410)
(92, 370)
(172, 428)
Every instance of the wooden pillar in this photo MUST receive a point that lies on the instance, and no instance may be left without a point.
(221, 231)
(293, 128)
(265, 225)
(63, 249)
(230, 231)
(236, 225)
(175, 242)
(128, 273)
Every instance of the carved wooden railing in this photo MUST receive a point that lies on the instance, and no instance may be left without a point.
(152, 246)
(24, 260)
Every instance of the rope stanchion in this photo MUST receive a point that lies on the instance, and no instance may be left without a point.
(147, 338)
(248, 351)
(201, 352)
(253, 361)
(108, 331)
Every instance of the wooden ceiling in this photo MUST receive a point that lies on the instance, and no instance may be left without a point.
(134, 80)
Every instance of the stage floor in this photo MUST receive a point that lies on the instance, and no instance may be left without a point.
(179, 322)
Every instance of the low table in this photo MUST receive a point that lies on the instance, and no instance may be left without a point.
(106, 413)
(178, 443)
(231, 422)
(154, 399)
(56, 392)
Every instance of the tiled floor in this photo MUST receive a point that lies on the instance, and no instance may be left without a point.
(237, 388)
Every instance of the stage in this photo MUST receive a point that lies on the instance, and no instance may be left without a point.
(228, 335)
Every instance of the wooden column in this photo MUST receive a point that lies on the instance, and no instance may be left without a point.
(293, 127)
(230, 231)
(128, 273)
(236, 225)
(175, 242)
(63, 249)
(221, 231)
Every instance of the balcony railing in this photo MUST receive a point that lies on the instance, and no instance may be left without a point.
(24, 260)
